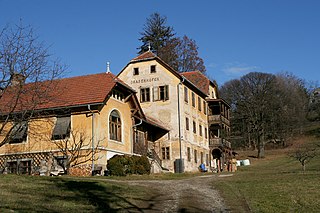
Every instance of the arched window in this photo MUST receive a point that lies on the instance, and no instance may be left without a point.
(115, 126)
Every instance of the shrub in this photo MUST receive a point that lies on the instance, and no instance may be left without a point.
(122, 165)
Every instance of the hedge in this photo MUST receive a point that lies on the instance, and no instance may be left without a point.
(122, 165)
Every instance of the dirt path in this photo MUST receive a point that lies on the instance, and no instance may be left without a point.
(195, 194)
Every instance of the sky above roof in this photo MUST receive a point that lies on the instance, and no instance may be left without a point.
(234, 37)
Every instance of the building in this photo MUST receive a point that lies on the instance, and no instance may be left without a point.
(189, 104)
(93, 117)
(176, 119)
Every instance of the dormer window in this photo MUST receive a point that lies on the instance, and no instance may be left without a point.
(153, 69)
(136, 71)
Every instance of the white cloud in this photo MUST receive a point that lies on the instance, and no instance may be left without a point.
(238, 69)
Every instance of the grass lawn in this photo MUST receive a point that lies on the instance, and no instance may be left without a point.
(273, 184)
(63, 194)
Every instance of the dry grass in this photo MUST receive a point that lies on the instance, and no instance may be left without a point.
(273, 184)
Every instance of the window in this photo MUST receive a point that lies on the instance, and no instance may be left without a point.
(19, 132)
(204, 107)
(187, 123)
(201, 157)
(115, 126)
(199, 104)
(195, 156)
(166, 153)
(144, 95)
(136, 71)
(186, 97)
(19, 167)
(205, 133)
(194, 127)
(207, 159)
(200, 130)
(161, 93)
(62, 128)
(153, 69)
(193, 100)
(189, 154)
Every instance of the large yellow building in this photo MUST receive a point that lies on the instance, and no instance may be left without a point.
(176, 119)
(189, 105)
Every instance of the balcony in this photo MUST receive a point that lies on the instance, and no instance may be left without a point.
(218, 119)
(216, 142)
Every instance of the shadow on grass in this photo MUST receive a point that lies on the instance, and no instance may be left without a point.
(106, 198)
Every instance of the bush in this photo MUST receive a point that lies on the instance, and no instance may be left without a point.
(122, 165)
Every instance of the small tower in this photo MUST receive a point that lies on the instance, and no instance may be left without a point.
(108, 67)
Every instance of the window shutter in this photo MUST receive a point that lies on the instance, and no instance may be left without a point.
(166, 92)
(155, 93)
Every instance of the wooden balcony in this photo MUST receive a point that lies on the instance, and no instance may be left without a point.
(214, 119)
(219, 142)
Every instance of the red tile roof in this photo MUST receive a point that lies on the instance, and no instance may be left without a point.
(144, 56)
(59, 93)
(198, 79)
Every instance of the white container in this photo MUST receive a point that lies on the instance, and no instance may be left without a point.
(238, 163)
(246, 162)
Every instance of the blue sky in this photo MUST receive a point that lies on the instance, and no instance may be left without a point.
(234, 37)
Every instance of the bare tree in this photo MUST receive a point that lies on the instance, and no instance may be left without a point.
(77, 149)
(265, 107)
(23, 59)
(304, 154)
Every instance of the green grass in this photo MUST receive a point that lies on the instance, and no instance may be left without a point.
(49, 194)
(274, 184)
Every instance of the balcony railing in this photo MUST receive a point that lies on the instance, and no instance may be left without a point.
(218, 119)
(219, 142)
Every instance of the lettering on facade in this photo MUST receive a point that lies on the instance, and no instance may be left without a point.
(144, 80)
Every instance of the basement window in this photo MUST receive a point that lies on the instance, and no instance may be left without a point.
(19, 132)
(62, 128)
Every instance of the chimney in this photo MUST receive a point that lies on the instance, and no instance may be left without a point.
(17, 79)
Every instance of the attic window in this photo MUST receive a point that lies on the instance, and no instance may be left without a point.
(136, 71)
(62, 128)
(19, 132)
(153, 69)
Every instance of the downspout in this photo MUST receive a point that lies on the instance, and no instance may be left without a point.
(179, 124)
(92, 138)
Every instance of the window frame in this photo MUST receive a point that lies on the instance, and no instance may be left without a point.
(165, 153)
(199, 103)
(136, 71)
(153, 69)
(115, 126)
(194, 125)
(161, 93)
(186, 94)
(188, 154)
(193, 99)
(187, 124)
(15, 136)
(67, 129)
(144, 94)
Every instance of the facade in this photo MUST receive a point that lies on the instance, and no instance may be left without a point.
(96, 116)
(189, 106)
(176, 119)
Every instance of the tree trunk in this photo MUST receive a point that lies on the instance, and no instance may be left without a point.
(261, 153)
